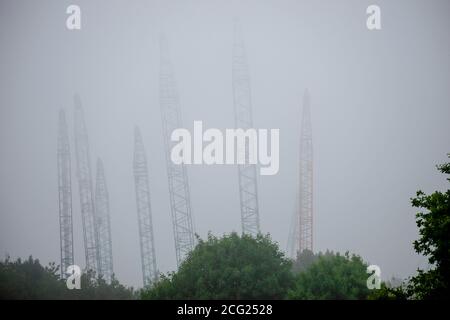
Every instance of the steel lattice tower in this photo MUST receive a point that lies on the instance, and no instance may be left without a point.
(305, 199)
(103, 224)
(293, 236)
(144, 211)
(65, 195)
(248, 191)
(85, 188)
(180, 204)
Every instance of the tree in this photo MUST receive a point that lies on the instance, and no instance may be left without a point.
(231, 267)
(434, 242)
(388, 292)
(29, 280)
(332, 276)
(96, 288)
(307, 258)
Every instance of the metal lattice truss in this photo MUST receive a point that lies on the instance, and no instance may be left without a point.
(305, 217)
(143, 204)
(103, 224)
(182, 220)
(248, 191)
(65, 195)
(293, 236)
(85, 188)
(301, 227)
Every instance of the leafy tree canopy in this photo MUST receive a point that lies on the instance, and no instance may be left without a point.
(331, 276)
(231, 267)
(434, 242)
(28, 279)
(306, 258)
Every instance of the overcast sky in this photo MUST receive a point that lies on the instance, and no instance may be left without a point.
(380, 108)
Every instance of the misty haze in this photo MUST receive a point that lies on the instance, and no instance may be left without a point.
(378, 104)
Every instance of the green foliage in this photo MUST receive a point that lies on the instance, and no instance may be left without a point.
(304, 260)
(97, 289)
(307, 258)
(231, 267)
(434, 242)
(389, 292)
(30, 280)
(332, 276)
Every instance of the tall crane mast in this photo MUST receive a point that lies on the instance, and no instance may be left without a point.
(248, 191)
(103, 225)
(65, 195)
(144, 211)
(85, 187)
(301, 227)
(305, 200)
(180, 203)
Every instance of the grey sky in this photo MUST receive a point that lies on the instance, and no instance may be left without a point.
(380, 117)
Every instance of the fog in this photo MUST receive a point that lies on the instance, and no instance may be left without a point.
(380, 110)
